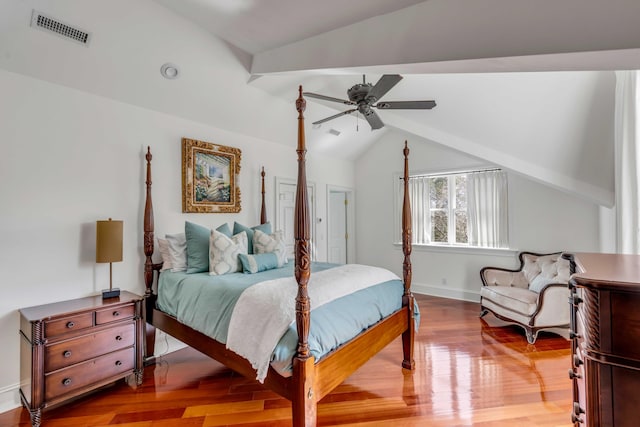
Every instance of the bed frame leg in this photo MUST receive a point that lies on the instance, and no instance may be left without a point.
(304, 406)
(150, 344)
(408, 335)
(150, 333)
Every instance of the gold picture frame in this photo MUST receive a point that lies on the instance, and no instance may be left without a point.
(210, 177)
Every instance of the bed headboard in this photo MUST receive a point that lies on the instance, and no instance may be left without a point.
(148, 227)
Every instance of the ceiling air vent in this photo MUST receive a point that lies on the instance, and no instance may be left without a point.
(46, 23)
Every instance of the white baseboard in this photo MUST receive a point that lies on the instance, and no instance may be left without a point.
(9, 397)
(446, 292)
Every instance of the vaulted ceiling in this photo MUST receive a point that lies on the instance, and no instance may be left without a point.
(528, 86)
(525, 85)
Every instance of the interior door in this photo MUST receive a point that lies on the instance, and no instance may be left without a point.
(338, 233)
(285, 211)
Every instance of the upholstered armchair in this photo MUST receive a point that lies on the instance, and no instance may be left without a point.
(535, 296)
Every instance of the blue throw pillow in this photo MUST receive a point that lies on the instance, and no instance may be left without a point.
(238, 228)
(198, 245)
(259, 262)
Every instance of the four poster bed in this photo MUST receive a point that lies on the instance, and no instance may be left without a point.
(308, 380)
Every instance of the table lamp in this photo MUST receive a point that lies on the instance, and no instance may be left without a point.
(109, 249)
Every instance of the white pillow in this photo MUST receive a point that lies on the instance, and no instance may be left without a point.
(224, 251)
(177, 251)
(163, 247)
(264, 243)
(540, 282)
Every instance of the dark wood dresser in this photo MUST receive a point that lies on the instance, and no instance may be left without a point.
(605, 331)
(71, 347)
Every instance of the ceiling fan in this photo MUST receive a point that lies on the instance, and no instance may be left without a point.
(364, 96)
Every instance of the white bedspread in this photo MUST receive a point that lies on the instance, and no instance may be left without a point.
(264, 311)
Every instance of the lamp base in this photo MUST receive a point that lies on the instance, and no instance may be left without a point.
(110, 293)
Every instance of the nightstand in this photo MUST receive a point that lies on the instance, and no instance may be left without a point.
(72, 347)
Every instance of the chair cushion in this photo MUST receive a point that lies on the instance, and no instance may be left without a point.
(512, 298)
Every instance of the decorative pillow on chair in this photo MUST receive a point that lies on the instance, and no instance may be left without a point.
(264, 243)
(224, 251)
(258, 262)
(540, 282)
(237, 228)
(177, 251)
(198, 245)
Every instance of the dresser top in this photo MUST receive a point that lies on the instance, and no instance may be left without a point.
(608, 271)
(45, 311)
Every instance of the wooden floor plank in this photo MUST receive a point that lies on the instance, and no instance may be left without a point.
(469, 372)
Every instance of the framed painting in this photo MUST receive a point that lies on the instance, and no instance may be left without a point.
(210, 177)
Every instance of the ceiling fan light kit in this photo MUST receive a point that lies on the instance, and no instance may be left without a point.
(364, 96)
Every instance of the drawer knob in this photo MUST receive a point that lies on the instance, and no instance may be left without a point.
(575, 415)
(66, 382)
(118, 363)
(70, 325)
(577, 361)
(66, 354)
(118, 338)
(116, 313)
(573, 374)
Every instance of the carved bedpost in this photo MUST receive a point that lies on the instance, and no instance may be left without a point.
(407, 298)
(263, 208)
(148, 264)
(148, 229)
(304, 405)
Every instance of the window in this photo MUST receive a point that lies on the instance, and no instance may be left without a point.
(448, 209)
(463, 209)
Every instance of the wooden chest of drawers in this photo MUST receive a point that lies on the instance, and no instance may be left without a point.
(605, 332)
(69, 348)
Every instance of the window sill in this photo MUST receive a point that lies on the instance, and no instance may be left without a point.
(472, 250)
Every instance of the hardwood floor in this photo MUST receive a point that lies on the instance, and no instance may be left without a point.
(468, 373)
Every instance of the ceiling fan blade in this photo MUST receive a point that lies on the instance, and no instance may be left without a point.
(383, 86)
(327, 98)
(374, 120)
(406, 105)
(335, 116)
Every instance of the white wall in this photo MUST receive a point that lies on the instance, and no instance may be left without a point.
(542, 219)
(70, 158)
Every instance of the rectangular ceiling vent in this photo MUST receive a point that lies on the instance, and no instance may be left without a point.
(46, 23)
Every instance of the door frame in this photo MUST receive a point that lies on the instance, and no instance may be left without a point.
(350, 211)
(311, 190)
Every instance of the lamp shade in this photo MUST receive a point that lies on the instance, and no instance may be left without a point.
(108, 241)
